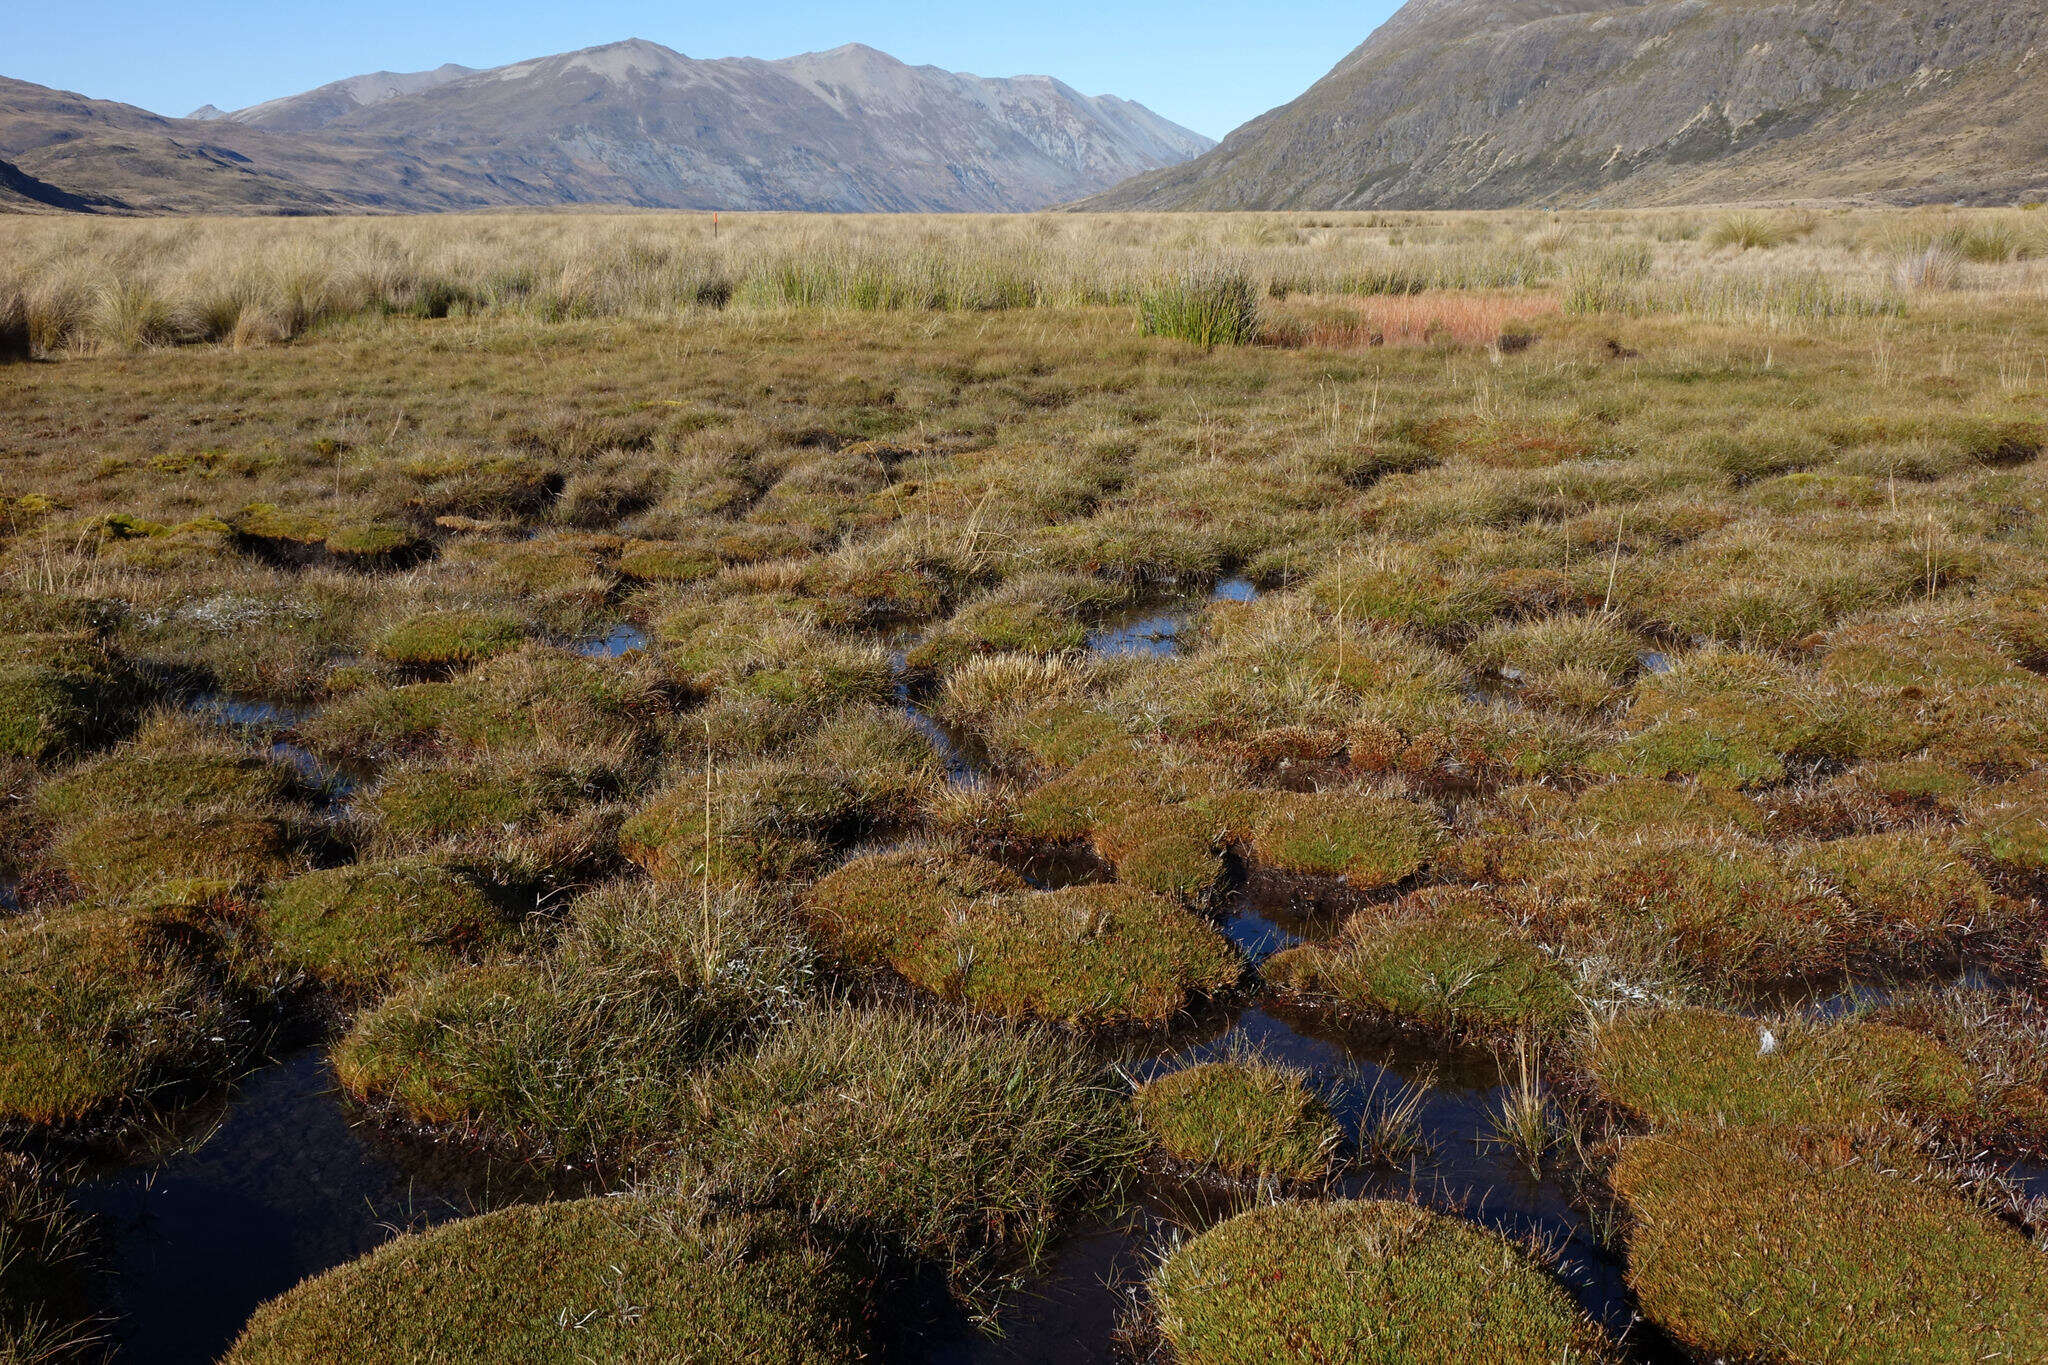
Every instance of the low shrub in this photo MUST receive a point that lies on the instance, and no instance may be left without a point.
(1365, 1280)
(16, 346)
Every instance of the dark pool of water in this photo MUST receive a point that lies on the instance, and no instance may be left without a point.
(277, 1184)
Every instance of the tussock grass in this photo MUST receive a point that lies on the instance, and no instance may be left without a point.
(587, 1050)
(964, 1145)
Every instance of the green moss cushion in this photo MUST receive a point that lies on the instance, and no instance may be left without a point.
(1369, 1282)
(610, 1279)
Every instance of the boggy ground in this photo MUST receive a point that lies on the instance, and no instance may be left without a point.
(948, 797)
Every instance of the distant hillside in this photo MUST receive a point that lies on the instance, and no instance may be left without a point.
(1498, 103)
(852, 130)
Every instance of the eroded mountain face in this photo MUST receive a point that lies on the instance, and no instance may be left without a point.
(1486, 104)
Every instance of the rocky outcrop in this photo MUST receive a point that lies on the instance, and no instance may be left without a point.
(1499, 103)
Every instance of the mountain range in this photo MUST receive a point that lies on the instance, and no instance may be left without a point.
(1500, 103)
(631, 123)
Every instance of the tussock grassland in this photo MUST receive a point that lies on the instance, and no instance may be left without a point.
(800, 723)
(99, 284)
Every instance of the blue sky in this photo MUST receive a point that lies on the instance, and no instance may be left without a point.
(1210, 66)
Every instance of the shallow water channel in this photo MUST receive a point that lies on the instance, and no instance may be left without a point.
(262, 1188)
(1072, 1313)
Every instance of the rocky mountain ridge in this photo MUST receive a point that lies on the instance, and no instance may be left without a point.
(631, 123)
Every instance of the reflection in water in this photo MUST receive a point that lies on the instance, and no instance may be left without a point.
(284, 1187)
(621, 640)
(1151, 628)
(275, 721)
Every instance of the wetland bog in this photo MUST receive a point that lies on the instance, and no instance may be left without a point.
(934, 789)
